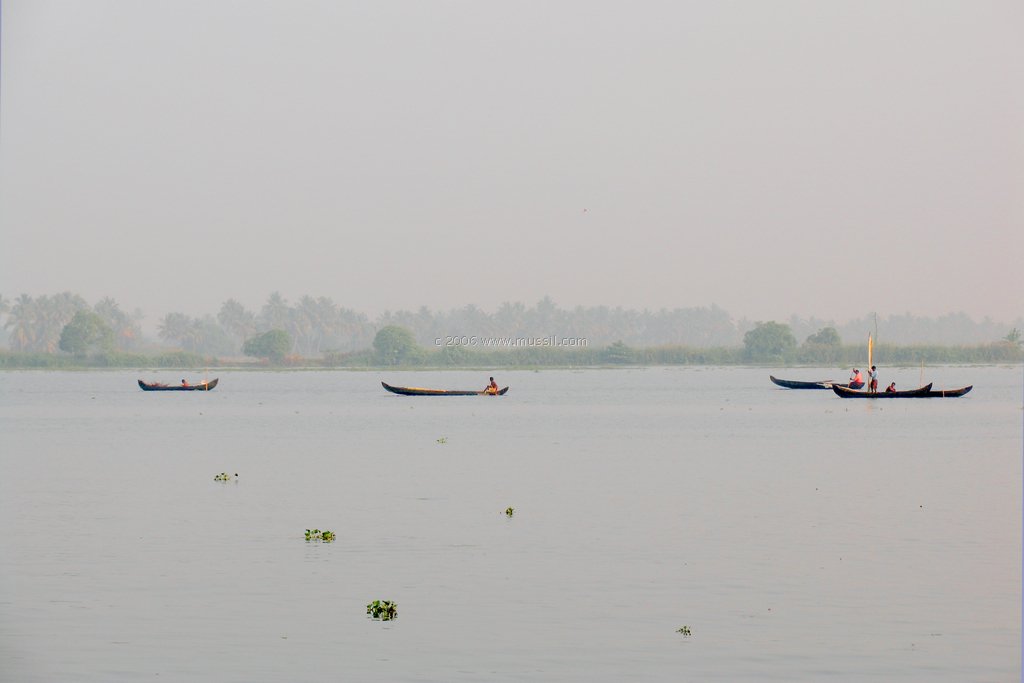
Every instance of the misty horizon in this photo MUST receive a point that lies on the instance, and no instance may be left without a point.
(211, 308)
(350, 329)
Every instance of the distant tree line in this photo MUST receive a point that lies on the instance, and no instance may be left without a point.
(767, 343)
(36, 324)
(312, 325)
(319, 330)
(393, 346)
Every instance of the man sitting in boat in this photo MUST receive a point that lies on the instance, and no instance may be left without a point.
(492, 388)
(184, 383)
(856, 378)
(891, 389)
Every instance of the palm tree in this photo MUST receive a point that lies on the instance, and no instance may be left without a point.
(23, 320)
(509, 318)
(329, 322)
(543, 317)
(5, 305)
(205, 335)
(275, 314)
(352, 330)
(307, 325)
(52, 314)
(175, 327)
(126, 328)
(236, 320)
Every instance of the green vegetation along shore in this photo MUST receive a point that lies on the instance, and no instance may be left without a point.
(63, 332)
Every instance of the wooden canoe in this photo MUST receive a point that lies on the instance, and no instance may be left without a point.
(921, 392)
(949, 393)
(417, 391)
(156, 386)
(823, 384)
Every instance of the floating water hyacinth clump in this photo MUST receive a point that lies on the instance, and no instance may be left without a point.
(509, 511)
(443, 439)
(684, 630)
(317, 535)
(384, 610)
(224, 476)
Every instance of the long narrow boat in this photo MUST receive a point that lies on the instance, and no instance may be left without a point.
(949, 393)
(156, 386)
(417, 391)
(823, 384)
(922, 392)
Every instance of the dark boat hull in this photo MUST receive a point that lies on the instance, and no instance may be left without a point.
(417, 391)
(205, 386)
(949, 393)
(823, 384)
(922, 392)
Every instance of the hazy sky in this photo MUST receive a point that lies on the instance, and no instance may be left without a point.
(817, 158)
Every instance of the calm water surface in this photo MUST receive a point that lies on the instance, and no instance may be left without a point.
(800, 536)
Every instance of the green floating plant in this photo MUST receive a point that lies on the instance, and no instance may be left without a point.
(684, 630)
(384, 610)
(443, 439)
(224, 476)
(317, 535)
(509, 511)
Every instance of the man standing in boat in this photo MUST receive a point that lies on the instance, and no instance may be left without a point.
(873, 385)
(492, 388)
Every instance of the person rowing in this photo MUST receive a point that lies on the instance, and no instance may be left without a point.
(492, 388)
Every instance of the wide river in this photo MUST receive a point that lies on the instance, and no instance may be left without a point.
(796, 535)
